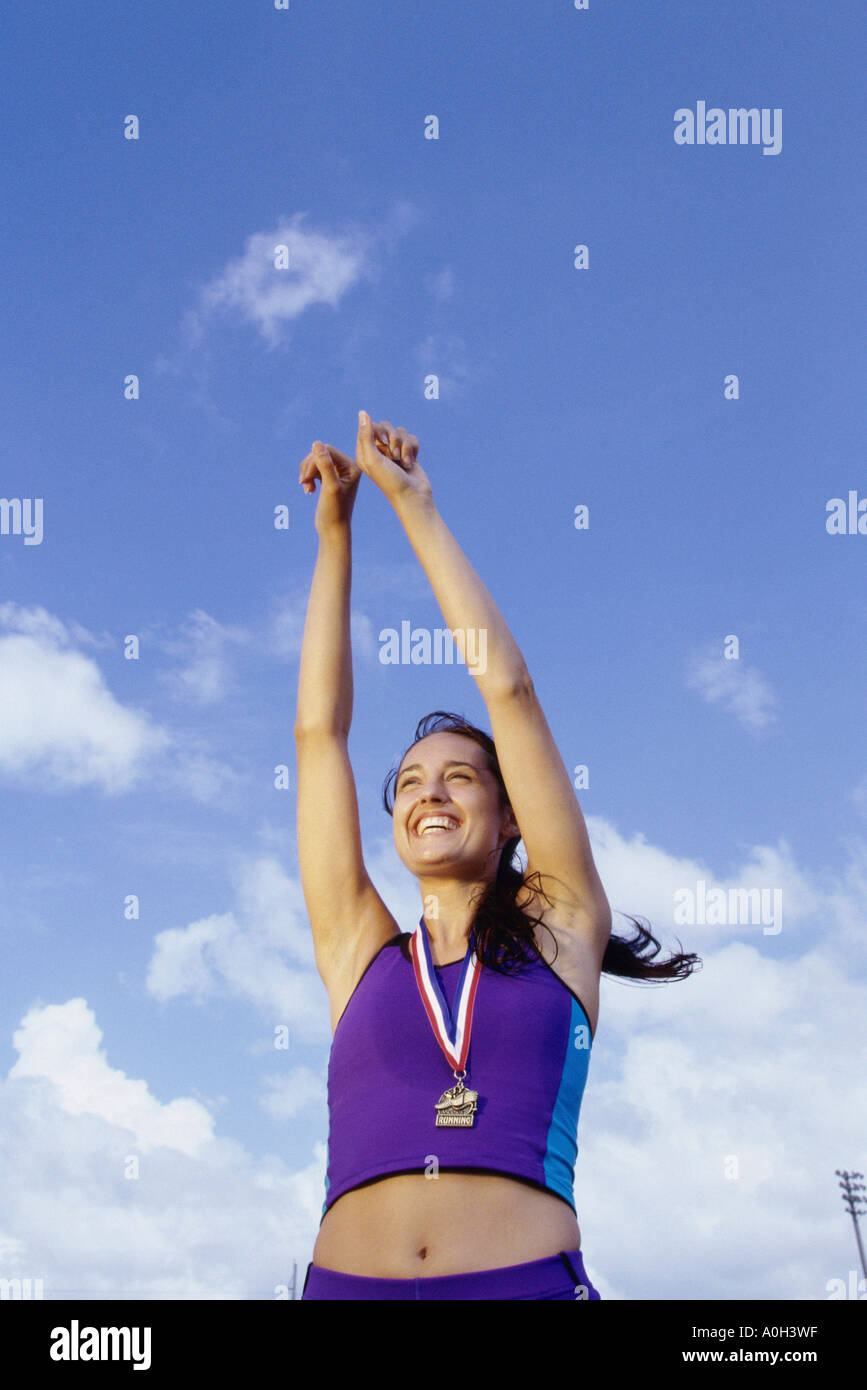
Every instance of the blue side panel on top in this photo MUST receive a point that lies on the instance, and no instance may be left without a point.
(327, 1166)
(562, 1148)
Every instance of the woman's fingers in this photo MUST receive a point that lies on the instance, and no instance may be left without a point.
(409, 446)
(375, 439)
(392, 437)
(403, 445)
(323, 456)
(316, 463)
(310, 470)
(326, 461)
(308, 473)
(395, 442)
(379, 434)
(388, 454)
(370, 439)
(387, 439)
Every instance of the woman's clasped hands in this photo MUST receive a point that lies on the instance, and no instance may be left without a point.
(385, 453)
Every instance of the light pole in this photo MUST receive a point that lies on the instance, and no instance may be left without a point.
(851, 1202)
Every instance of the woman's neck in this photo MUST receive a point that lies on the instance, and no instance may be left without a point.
(447, 943)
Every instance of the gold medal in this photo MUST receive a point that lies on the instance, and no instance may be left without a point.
(456, 1107)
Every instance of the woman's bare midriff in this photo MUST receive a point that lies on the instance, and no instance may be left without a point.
(409, 1226)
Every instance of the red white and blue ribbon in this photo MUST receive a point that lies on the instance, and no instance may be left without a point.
(452, 1028)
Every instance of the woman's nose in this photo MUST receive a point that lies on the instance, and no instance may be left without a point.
(433, 792)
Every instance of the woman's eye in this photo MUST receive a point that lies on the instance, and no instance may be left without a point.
(413, 781)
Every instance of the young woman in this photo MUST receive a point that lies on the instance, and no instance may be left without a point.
(460, 1051)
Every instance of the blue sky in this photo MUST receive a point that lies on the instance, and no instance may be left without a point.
(153, 1037)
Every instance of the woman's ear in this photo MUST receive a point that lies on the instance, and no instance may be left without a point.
(510, 825)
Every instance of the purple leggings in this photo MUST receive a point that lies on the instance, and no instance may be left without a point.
(558, 1277)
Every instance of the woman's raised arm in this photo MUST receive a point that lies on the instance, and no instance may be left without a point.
(540, 790)
(347, 916)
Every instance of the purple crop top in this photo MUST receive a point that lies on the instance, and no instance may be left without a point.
(528, 1060)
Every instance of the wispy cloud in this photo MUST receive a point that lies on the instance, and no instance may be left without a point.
(444, 355)
(284, 1097)
(46, 627)
(407, 579)
(319, 269)
(285, 630)
(442, 284)
(286, 627)
(859, 795)
(202, 644)
(739, 688)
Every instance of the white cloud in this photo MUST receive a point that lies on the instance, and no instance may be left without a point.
(39, 623)
(60, 726)
(262, 953)
(284, 1097)
(202, 1218)
(756, 1061)
(181, 963)
(321, 268)
(203, 645)
(739, 688)
(753, 1064)
(61, 1042)
(642, 879)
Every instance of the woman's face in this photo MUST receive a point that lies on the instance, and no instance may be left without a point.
(444, 783)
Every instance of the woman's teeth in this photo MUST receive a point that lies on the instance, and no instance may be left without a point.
(433, 825)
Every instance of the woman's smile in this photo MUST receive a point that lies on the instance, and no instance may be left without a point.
(434, 824)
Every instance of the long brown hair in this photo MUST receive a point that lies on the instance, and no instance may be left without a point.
(503, 929)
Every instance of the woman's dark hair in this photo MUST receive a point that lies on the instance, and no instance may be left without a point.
(503, 930)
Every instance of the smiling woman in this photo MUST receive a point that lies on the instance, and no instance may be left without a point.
(460, 1050)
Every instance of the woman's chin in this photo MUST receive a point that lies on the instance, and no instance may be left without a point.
(421, 854)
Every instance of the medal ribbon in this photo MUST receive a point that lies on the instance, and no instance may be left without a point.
(452, 1031)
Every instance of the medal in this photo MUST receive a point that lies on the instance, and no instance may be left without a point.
(456, 1107)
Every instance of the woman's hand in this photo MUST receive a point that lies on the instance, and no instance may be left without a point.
(339, 476)
(389, 457)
